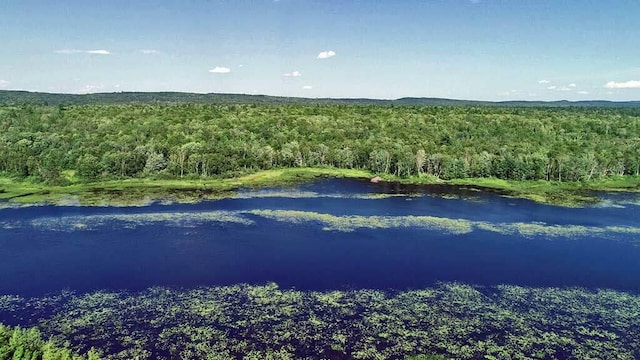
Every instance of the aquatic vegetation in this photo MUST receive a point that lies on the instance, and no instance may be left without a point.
(632, 202)
(10, 302)
(446, 225)
(619, 203)
(608, 203)
(10, 205)
(453, 320)
(10, 224)
(90, 222)
(353, 222)
(550, 231)
(295, 194)
(539, 229)
(329, 222)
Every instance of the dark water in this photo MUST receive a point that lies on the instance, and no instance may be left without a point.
(40, 259)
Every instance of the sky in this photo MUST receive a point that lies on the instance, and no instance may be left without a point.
(464, 49)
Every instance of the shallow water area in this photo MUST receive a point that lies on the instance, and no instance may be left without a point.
(329, 234)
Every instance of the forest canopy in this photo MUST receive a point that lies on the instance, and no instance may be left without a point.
(99, 142)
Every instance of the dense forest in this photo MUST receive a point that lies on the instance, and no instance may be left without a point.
(203, 140)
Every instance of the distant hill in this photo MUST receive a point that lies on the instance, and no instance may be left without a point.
(40, 98)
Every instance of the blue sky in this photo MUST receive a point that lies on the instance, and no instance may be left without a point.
(466, 49)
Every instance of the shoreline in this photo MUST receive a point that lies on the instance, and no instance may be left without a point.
(137, 191)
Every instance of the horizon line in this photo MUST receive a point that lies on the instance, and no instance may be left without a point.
(317, 98)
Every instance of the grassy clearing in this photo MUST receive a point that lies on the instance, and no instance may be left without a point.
(141, 191)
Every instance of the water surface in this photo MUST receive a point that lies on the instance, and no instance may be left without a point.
(330, 234)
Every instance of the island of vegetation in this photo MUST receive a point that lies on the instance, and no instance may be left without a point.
(119, 151)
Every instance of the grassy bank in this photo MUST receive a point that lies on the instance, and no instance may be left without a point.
(557, 193)
(135, 191)
(138, 191)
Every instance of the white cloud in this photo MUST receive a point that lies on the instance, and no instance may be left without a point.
(68, 51)
(240, 65)
(4, 83)
(543, 81)
(76, 51)
(326, 54)
(150, 51)
(90, 88)
(98, 52)
(307, 87)
(582, 92)
(293, 74)
(515, 92)
(569, 87)
(631, 84)
(220, 70)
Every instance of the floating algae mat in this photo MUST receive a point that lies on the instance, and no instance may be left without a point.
(360, 271)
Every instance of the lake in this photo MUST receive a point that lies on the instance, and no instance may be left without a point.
(328, 234)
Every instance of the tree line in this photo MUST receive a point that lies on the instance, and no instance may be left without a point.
(16, 97)
(205, 140)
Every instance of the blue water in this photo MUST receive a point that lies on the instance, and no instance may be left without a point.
(38, 260)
